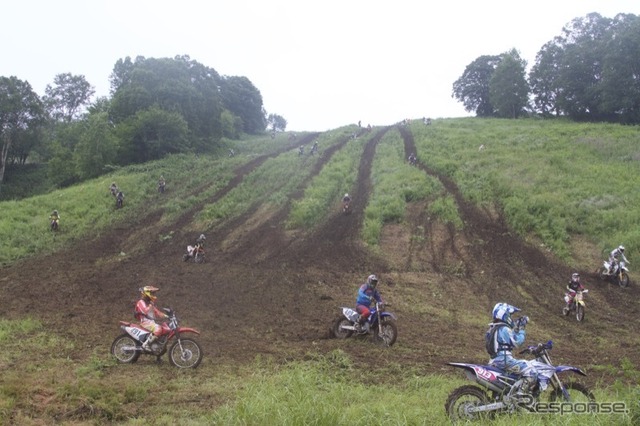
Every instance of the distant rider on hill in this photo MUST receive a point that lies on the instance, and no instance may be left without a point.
(613, 258)
(573, 287)
(120, 197)
(54, 218)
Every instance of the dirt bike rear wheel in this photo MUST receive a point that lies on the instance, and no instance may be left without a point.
(185, 353)
(388, 335)
(580, 313)
(623, 280)
(123, 355)
(463, 398)
(577, 393)
(602, 273)
(337, 330)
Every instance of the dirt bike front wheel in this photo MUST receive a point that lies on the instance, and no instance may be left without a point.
(185, 353)
(121, 348)
(461, 400)
(623, 279)
(577, 392)
(199, 258)
(387, 334)
(337, 328)
(580, 313)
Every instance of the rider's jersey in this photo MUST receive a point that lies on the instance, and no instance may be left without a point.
(615, 253)
(575, 286)
(147, 311)
(365, 293)
(507, 339)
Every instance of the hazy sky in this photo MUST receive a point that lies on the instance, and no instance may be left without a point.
(320, 64)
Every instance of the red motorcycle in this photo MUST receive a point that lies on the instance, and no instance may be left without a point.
(183, 352)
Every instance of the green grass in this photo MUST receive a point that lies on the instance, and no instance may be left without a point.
(552, 179)
(326, 389)
(326, 189)
(395, 183)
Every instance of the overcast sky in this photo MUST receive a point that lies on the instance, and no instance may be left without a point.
(320, 64)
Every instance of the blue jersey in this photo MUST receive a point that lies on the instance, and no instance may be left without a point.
(365, 293)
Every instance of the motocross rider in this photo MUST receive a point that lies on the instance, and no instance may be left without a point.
(346, 200)
(54, 216)
(113, 189)
(120, 196)
(191, 250)
(367, 293)
(613, 258)
(147, 313)
(574, 286)
(502, 337)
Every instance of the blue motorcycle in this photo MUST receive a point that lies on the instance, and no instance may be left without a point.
(502, 392)
(380, 324)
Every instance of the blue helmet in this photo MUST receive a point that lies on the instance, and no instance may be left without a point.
(502, 312)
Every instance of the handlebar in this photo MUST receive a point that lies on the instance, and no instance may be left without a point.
(536, 350)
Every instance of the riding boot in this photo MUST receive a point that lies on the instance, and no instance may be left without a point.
(147, 343)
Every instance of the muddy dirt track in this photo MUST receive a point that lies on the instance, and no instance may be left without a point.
(266, 290)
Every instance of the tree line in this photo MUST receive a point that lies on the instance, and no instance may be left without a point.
(156, 106)
(590, 72)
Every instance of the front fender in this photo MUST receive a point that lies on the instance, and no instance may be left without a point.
(563, 368)
(187, 330)
(387, 314)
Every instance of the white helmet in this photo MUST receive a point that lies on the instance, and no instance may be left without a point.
(346, 195)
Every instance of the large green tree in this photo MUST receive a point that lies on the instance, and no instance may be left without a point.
(508, 87)
(472, 88)
(544, 78)
(178, 86)
(242, 98)
(620, 86)
(97, 147)
(21, 110)
(67, 97)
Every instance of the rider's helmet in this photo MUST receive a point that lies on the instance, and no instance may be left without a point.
(575, 277)
(372, 281)
(346, 195)
(55, 213)
(621, 248)
(502, 312)
(149, 291)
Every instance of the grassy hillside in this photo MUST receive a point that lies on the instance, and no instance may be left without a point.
(470, 226)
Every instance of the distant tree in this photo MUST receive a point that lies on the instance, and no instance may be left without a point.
(61, 167)
(620, 86)
(544, 78)
(508, 87)
(151, 134)
(21, 110)
(276, 123)
(97, 147)
(178, 86)
(242, 98)
(68, 95)
(472, 88)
